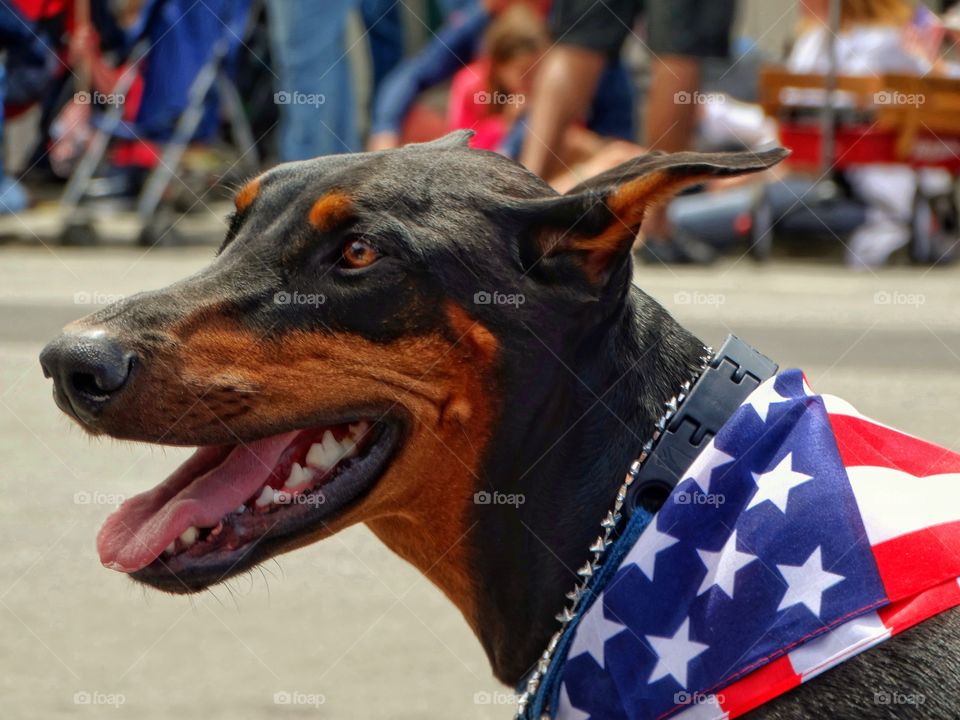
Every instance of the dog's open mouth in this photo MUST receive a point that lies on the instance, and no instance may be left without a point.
(227, 506)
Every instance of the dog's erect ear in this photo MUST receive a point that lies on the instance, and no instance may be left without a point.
(450, 141)
(596, 221)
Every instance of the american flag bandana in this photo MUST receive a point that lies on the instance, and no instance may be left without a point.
(804, 534)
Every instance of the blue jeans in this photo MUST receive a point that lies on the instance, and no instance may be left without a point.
(383, 22)
(314, 89)
(13, 199)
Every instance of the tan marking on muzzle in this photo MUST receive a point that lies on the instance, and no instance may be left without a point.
(440, 383)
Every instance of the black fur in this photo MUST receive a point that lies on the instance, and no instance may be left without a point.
(584, 363)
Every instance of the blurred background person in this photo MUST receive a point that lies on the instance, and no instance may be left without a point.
(316, 80)
(680, 33)
(27, 67)
(874, 39)
(309, 50)
(490, 95)
(397, 116)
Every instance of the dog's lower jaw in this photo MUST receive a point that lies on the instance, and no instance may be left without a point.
(567, 467)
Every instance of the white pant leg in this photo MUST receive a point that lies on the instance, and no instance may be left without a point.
(889, 192)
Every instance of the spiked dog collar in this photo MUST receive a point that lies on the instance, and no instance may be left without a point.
(690, 419)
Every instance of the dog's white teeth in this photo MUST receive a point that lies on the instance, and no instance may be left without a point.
(332, 447)
(317, 458)
(240, 509)
(266, 497)
(324, 454)
(171, 548)
(299, 475)
(189, 536)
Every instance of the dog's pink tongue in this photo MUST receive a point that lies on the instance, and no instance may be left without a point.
(211, 484)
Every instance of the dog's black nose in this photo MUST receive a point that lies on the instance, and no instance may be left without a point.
(87, 370)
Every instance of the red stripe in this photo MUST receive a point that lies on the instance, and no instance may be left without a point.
(862, 442)
(778, 677)
(906, 613)
(760, 686)
(919, 560)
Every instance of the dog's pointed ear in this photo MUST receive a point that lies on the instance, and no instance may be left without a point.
(596, 222)
(451, 141)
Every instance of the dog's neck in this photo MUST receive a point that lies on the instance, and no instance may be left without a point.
(563, 453)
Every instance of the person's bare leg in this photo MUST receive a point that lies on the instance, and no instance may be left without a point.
(566, 81)
(669, 123)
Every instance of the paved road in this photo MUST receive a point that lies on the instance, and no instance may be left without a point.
(344, 621)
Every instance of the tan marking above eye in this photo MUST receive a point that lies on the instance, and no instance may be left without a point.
(331, 211)
(247, 194)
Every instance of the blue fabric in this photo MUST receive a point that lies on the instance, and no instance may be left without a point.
(182, 35)
(30, 62)
(15, 29)
(384, 23)
(315, 85)
(612, 111)
(454, 46)
(512, 144)
(13, 198)
(550, 684)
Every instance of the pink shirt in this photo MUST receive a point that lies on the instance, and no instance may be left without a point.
(469, 107)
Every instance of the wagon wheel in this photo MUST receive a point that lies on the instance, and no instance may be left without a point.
(160, 229)
(761, 230)
(78, 230)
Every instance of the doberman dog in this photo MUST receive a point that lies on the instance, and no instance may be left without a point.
(381, 337)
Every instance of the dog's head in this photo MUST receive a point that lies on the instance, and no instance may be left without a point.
(343, 358)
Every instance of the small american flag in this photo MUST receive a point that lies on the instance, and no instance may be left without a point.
(804, 534)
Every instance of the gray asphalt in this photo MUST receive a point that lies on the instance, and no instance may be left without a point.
(343, 627)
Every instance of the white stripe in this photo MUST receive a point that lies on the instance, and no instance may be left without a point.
(841, 643)
(893, 503)
(839, 406)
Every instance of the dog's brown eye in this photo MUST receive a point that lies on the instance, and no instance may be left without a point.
(359, 254)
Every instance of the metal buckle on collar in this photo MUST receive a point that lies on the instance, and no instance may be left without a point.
(732, 374)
